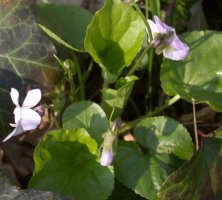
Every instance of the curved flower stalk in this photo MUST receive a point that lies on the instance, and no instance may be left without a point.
(166, 41)
(25, 118)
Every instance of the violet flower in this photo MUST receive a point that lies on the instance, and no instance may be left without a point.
(106, 157)
(25, 118)
(108, 150)
(166, 41)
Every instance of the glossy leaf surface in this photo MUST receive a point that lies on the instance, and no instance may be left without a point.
(66, 162)
(199, 76)
(114, 36)
(88, 115)
(65, 23)
(144, 170)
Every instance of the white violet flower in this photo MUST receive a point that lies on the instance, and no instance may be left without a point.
(166, 41)
(25, 118)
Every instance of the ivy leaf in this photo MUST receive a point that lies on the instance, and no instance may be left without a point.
(24, 49)
(115, 36)
(199, 76)
(26, 55)
(117, 98)
(88, 115)
(165, 146)
(200, 178)
(65, 23)
(67, 162)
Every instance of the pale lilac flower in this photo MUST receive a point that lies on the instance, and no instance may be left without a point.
(107, 154)
(25, 118)
(166, 41)
(106, 157)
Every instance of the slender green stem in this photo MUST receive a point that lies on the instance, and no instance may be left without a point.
(135, 66)
(133, 123)
(144, 20)
(70, 78)
(87, 73)
(149, 81)
(147, 9)
(72, 85)
(80, 77)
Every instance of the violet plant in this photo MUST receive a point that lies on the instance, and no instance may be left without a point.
(87, 157)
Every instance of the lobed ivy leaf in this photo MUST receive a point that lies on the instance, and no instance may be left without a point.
(65, 23)
(88, 115)
(24, 49)
(164, 146)
(26, 55)
(66, 162)
(115, 36)
(114, 100)
(200, 178)
(199, 76)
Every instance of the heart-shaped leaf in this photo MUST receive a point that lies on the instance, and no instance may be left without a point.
(144, 170)
(88, 115)
(200, 178)
(66, 162)
(199, 76)
(115, 36)
(26, 55)
(65, 23)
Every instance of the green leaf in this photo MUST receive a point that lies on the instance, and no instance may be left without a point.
(9, 192)
(26, 55)
(65, 23)
(66, 163)
(117, 98)
(200, 178)
(24, 50)
(88, 115)
(144, 170)
(164, 135)
(200, 75)
(115, 36)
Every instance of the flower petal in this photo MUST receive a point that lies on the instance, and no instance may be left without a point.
(18, 130)
(17, 114)
(153, 28)
(106, 157)
(32, 98)
(13, 125)
(14, 96)
(177, 50)
(162, 27)
(30, 119)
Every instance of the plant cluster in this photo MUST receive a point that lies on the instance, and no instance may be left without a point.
(86, 155)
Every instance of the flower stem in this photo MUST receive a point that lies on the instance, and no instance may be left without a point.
(135, 66)
(80, 78)
(144, 20)
(133, 123)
